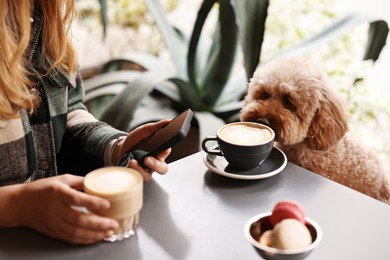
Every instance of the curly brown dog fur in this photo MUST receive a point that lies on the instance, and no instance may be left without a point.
(293, 96)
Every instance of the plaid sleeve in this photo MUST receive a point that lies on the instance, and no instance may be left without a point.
(93, 134)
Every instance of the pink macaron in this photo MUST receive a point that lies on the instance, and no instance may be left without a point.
(287, 209)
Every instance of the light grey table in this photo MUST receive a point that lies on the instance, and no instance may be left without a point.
(192, 213)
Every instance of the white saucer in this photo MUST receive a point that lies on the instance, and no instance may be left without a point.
(273, 165)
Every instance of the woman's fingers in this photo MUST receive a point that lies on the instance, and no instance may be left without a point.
(140, 133)
(51, 207)
(157, 164)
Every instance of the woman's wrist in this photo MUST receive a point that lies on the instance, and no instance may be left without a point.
(11, 205)
(113, 153)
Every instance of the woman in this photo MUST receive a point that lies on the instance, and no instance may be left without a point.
(41, 101)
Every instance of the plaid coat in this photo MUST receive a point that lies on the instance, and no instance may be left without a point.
(60, 133)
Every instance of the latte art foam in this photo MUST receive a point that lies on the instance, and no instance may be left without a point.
(242, 134)
(112, 182)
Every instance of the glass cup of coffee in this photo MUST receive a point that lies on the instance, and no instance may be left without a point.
(123, 187)
(244, 145)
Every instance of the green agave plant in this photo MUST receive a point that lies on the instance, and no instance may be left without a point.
(205, 78)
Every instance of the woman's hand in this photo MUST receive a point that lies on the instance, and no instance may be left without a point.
(47, 205)
(153, 164)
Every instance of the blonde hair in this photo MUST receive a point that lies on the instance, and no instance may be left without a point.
(15, 32)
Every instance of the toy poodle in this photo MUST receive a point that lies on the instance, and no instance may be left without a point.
(293, 96)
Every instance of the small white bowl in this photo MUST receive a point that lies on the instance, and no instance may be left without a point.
(262, 222)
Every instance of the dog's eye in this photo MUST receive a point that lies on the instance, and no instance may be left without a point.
(288, 103)
(264, 95)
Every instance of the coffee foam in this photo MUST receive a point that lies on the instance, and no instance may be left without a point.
(111, 182)
(243, 134)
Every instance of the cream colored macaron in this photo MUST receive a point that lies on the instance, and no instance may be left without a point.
(290, 234)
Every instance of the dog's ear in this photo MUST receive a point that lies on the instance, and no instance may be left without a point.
(329, 124)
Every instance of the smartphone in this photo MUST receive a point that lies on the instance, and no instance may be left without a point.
(162, 139)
